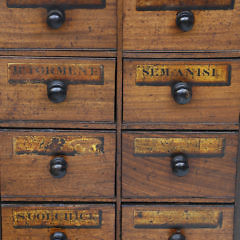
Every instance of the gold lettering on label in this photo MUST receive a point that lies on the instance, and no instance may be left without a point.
(35, 73)
(204, 146)
(56, 218)
(69, 145)
(197, 74)
(178, 217)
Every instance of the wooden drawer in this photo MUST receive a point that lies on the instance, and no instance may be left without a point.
(151, 25)
(58, 165)
(23, 24)
(150, 91)
(77, 222)
(181, 166)
(89, 86)
(161, 222)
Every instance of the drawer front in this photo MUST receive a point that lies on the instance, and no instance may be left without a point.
(152, 25)
(24, 24)
(57, 165)
(153, 92)
(57, 91)
(37, 222)
(193, 222)
(183, 166)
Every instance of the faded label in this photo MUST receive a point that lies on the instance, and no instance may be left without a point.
(61, 3)
(184, 4)
(165, 74)
(68, 145)
(167, 146)
(181, 218)
(41, 218)
(31, 73)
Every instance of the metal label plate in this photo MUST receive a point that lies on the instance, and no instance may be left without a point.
(155, 5)
(165, 74)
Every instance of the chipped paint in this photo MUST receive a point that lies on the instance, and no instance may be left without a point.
(175, 218)
(67, 145)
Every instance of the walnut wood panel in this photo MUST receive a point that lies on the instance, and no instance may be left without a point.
(25, 165)
(27, 28)
(88, 221)
(157, 30)
(194, 222)
(154, 104)
(87, 100)
(147, 172)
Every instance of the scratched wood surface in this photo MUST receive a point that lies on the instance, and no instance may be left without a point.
(27, 28)
(25, 165)
(153, 217)
(157, 31)
(154, 103)
(147, 173)
(90, 95)
(104, 231)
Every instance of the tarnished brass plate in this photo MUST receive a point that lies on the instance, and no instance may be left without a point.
(183, 4)
(192, 146)
(35, 73)
(181, 218)
(165, 74)
(41, 218)
(69, 145)
(60, 3)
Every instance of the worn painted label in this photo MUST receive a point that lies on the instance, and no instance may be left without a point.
(165, 74)
(183, 4)
(62, 3)
(42, 218)
(67, 145)
(36, 73)
(181, 218)
(192, 146)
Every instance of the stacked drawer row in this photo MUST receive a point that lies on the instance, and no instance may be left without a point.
(178, 181)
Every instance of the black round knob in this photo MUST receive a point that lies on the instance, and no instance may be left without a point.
(57, 91)
(185, 20)
(179, 164)
(58, 167)
(177, 236)
(55, 18)
(58, 236)
(182, 92)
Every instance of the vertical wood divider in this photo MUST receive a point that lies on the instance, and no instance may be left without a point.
(119, 108)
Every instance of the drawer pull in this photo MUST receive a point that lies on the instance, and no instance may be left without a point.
(179, 164)
(185, 20)
(55, 18)
(177, 236)
(58, 236)
(57, 91)
(182, 92)
(58, 167)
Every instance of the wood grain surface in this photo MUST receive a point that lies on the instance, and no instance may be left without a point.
(157, 30)
(147, 174)
(154, 104)
(88, 99)
(12, 213)
(25, 165)
(169, 216)
(83, 28)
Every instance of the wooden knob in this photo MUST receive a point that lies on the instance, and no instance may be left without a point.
(55, 18)
(179, 164)
(58, 236)
(182, 92)
(177, 236)
(58, 167)
(185, 20)
(57, 91)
